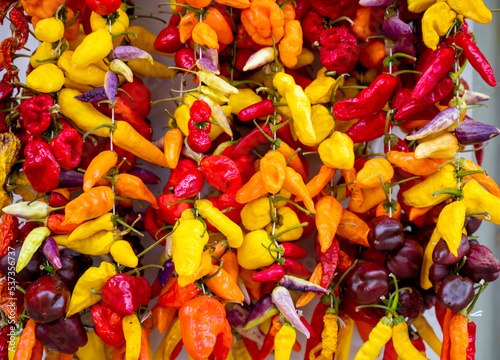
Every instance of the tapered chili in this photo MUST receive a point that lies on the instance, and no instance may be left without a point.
(295, 268)
(329, 261)
(476, 58)
(369, 127)
(274, 273)
(253, 139)
(255, 111)
(293, 251)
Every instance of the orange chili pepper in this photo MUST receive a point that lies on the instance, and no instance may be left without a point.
(239, 4)
(459, 337)
(172, 147)
(98, 167)
(484, 179)
(63, 356)
(416, 212)
(268, 345)
(372, 54)
(204, 35)
(294, 162)
(254, 288)
(328, 215)
(409, 163)
(252, 190)
(218, 249)
(219, 24)
(132, 187)
(27, 342)
(273, 170)
(306, 297)
(54, 223)
(365, 22)
(230, 264)
(372, 197)
(445, 349)
(224, 286)
(162, 317)
(198, 4)
(263, 18)
(319, 181)
(288, 10)
(290, 47)
(374, 169)
(145, 353)
(357, 234)
(296, 186)
(356, 193)
(186, 26)
(37, 352)
(413, 124)
(89, 205)
(380, 210)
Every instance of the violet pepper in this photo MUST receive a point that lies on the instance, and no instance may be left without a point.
(147, 177)
(470, 131)
(282, 299)
(237, 317)
(128, 53)
(395, 28)
(298, 284)
(206, 65)
(165, 273)
(473, 97)
(51, 252)
(442, 120)
(111, 85)
(262, 310)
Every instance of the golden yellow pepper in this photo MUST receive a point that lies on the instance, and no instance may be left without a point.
(337, 151)
(256, 214)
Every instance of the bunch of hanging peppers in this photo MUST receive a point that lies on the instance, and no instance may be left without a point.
(242, 234)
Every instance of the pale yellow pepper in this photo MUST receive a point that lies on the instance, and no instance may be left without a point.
(256, 214)
(337, 151)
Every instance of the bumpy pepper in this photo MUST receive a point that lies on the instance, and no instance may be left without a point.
(290, 46)
(45, 79)
(94, 48)
(320, 90)
(93, 278)
(337, 151)
(284, 341)
(253, 253)
(30, 245)
(36, 114)
(328, 216)
(300, 107)
(41, 167)
(94, 203)
(108, 324)
(188, 240)
(49, 29)
(125, 293)
(378, 337)
(204, 35)
(287, 219)
(263, 18)
(256, 214)
(368, 176)
(339, 51)
(296, 186)
(233, 232)
(133, 187)
(474, 10)
(421, 195)
(436, 22)
(67, 148)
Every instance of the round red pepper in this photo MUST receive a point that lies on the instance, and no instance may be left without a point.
(67, 148)
(103, 7)
(35, 113)
(41, 167)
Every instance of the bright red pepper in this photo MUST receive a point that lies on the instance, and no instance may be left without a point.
(199, 141)
(293, 251)
(242, 56)
(35, 113)
(295, 268)
(252, 347)
(221, 173)
(368, 101)
(471, 349)
(476, 58)
(200, 111)
(255, 111)
(184, 58)
(253, 139)
(245, 41)
(137, 96)
(108, 324)
(41, 167)
(9, 230)
(177, 174)
(190, 185)
(369, 127)
(67, 148)
(273, 273)
(103, 7)
(223, 343)
(169, 39)
(128, 114)
(225, 202)
(54, 223)
(125, 293)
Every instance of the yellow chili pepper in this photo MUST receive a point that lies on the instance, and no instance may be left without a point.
(253, 253)
(188, 240)
(214, 94)
(378, 337)
(337, 151)
(442, 147)
(89, 228)
(256, 214)
(322, 121)
(284, 341)
(97, 244)
(49, 30)
(123, 253)
(472, 9)
(320, 90)
(120, 24)
(132, 331)
(94, 349)
(329, 335)
(232, 231)
(241, 351)
(157, 70)
(373, 171)
(450, 224)
(300, 106)
(204, 269)
(427, 333)
(204, 35)
(484, 179)
(402, 344)
(306, 57)
(345, 336)
(91, 75)
(96, 46)
(93, 278)
(427, 262)
(287, 219)
(417, 6)
(45, 79)
(173, 337)
(477, 199)
(43, 53)
(421, 195)
(436, 22)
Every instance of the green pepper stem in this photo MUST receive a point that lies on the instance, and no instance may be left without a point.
(182, 69)
(476, 297)
(406, 72)
(291, 156)
(355, 262)
(193, 154)
(276, 236)
(450, 192)
(134, 17)
(403, 181)
(129, 227)
(68, 24)
(463, 173)
(201, 282)
(145, 251)
(475, 149)
(144, 267)
(161, 229)
(164, 100)
(244, 82)
(280, 260)
(124, 33)
(95, 292)
(389, 59)
(110, 126)
(279, 198)
(476, 213)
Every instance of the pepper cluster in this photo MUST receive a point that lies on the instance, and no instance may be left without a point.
(393, 231)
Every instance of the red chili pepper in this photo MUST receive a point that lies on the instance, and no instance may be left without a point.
(369, 127)
(246, 166)
(169, 39)
(313, 26)
(137, 96)
(400, 145)
(301, 9)
(190, 185)
(223, 343)
(255, 111)
(126, 112)
(273, 273)
(253, 139)
(419, 344)
(9, 230)
(389, 351)
(125, 293)
(292, 251)
(317, 324)
(252, 347)
(329, 261)
(368, 101)
(301, 80)
(435, 71)
(334, 9)
(177, 350)
(54, 223)
(41, 167)
(169, 213)
(200, 111)
(340, 51)
(295, 268)
(67, 147)
(221, 173)
(184, 58)
(177, 174)
(471, 349)
(105, 7)
(108, 324)
(35, 113)
(177, 296)
(476, 58)
(413, 106)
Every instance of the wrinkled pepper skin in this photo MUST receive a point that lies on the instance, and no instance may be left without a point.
(188, 240)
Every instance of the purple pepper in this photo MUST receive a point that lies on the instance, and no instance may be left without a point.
(405, 45)
(470, 132)
(473, 97)
(147, 177)
(376, 3)
(165, 274)
(111, 85)
(283, 301)
(395, 28)
(246, 295)
(481, 264)
(127, 53)
(212, 55)
(206, 64)
(237, 316)
(440, 122)
(261, 311)
(70, 179)
(51, 252)
(295, 283)
(131, 217)
(96, 94)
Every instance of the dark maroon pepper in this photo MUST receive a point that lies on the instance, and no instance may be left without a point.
(481, 264)
(46, 299)
(405, 263)
(62, 335)
(367, 282)
(456, 292)
(412, 303)
(386, 234)
(442, 254)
